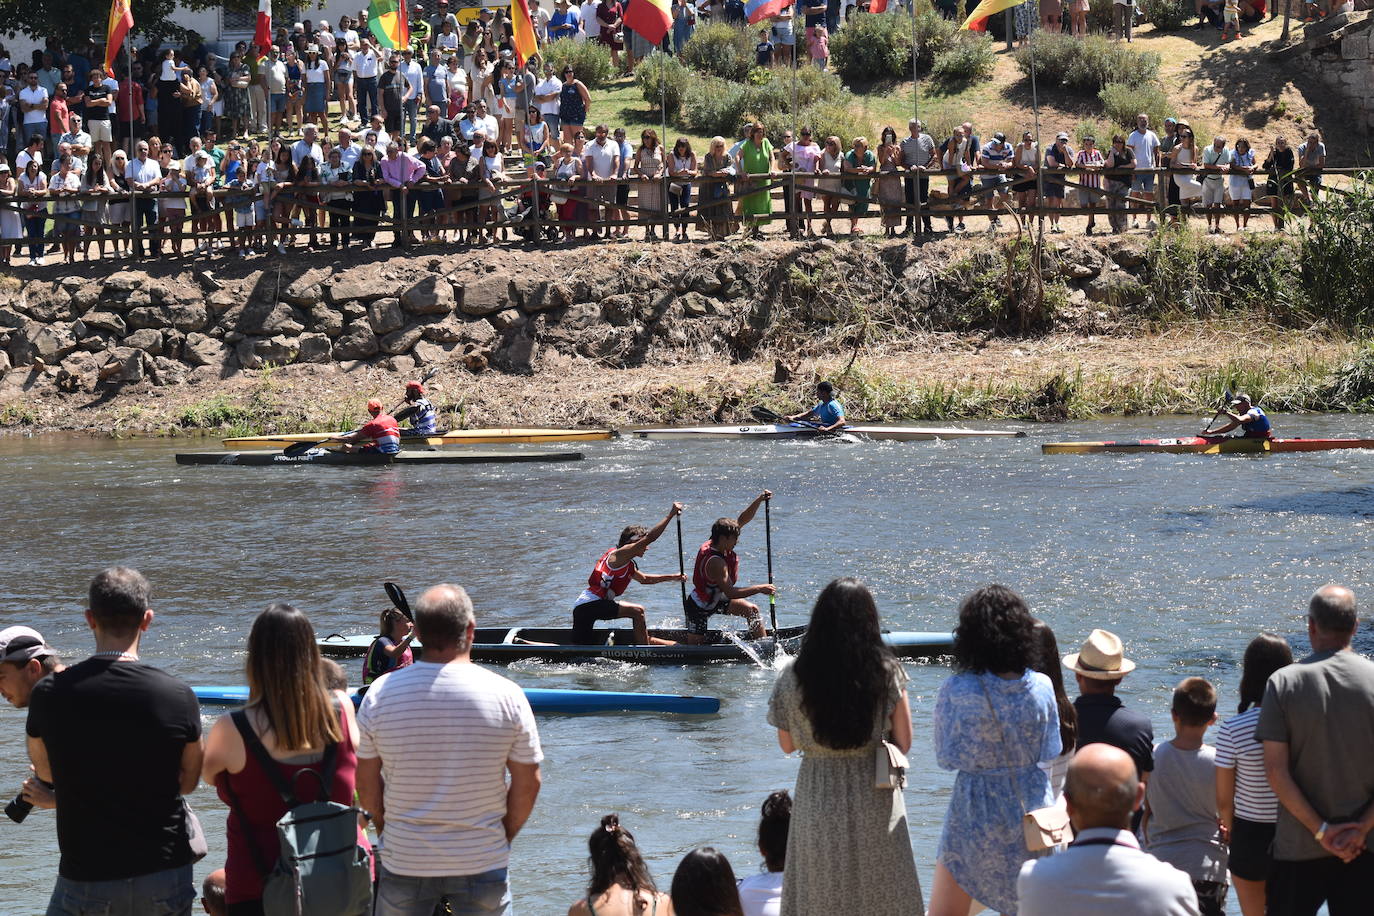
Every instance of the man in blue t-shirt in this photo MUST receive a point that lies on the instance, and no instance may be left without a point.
(828, 414)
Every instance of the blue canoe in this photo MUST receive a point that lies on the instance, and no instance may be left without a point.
(542, 700)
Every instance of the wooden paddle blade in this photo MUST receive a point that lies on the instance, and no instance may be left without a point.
(398, 598)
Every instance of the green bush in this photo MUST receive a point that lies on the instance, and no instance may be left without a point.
(934, 33)
(714, 106)
(717, 106)
(1086, 64)
(1053, 55)
(722, 50)
(1099, 16)
(1167, 15)
(968, 58)
(590, 60)
(872, 48)
(1338, 253)
(1121, 103)
(663, 80)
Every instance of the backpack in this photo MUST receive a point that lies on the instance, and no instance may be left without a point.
(320, 869)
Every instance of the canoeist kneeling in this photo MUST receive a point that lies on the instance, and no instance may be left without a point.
(424, 419)
(612, 576)
(714, 575)
(828, 414)
(1251, 420)
(382, 433)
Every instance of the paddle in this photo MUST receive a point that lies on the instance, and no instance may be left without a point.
(681, 566)
(400, 411)
(764, 415)
(296, 449)
(768, 545)
(398, 598)
(1225, 400)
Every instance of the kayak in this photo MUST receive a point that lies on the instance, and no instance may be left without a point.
(510, 644)
(448, 437)
(369, 459)
(1206, 445)
(542, 700)
(799, 431)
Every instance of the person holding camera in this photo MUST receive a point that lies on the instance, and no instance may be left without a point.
(25, 659)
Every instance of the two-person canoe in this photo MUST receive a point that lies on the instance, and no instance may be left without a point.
(502, 644)
(799, 431)
(370, 459)
(512, 435)
(542, 700)
(1206, 445)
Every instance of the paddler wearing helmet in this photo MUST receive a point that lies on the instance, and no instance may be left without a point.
(419, 411)
(381, 433)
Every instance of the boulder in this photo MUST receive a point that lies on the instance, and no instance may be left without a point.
(199, 350)
(476, 359)
(49, 305)
(79, 372)
(326, 320)
(50, 342)
(128, 365)
(279, 350)
(84, 296)
(619, 310)
(385, 315)
(305, 290)
(172, 341)
(695, 305)
(431, 296)
(314, 348)
(208, 282)
(486, 296)
(402, 363)
(518, 352)
(219, 302)
(163, 370)
(541, 297)
(10, 318)
(102, 321)
(246, 353)
(506, 319)
(353, 286)
(1128, 258)
(401, 341)
(123, 281)
(1116, 290)
(149, 340)
(93, 341)
(268, 320)
(448, 329)
(188, 316)
(430, 354)
(352, 311)
(4, 363)
(357, 342)
(150, 316)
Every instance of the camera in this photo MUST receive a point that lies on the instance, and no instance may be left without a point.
(19, 809)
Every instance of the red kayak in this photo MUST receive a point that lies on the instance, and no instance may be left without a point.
(1206, 445)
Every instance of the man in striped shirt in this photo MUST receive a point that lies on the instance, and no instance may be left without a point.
(437, 740)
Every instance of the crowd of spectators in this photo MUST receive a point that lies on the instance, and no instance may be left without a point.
(444, 757)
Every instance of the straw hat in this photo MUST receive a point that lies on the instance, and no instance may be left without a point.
(1100, 658)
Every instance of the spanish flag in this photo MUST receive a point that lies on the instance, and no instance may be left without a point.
(389, 23)
(121, 21)
(977, 20)
(522, 32)
(650, 19)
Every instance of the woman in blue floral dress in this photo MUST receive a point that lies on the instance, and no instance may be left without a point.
(995, 720)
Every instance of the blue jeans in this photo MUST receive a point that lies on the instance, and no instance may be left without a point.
(485, 894)
(410, 109)
(1144, 183)
(28, 130)
(162, 893)
(365, 91)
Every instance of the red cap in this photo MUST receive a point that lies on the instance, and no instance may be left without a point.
(416, 387)
(374, 406)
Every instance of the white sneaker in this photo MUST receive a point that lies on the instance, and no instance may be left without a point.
(1135, 224)
(33, 262)
(1150, 225)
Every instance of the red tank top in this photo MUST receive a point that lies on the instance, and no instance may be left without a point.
(263, 807)
(607, 581)
(705, 592)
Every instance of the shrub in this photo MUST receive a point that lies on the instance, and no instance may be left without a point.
(590, 60)
(714, 106)
(663, 80)
(1168, 15)
(1086, 64)
(1053, 55)
(968, 58)
(1121, 103)
(1100, 16)
(719, 49)
(934, 33)
(872, 48)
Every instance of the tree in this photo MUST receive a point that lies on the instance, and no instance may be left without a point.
(71, 23)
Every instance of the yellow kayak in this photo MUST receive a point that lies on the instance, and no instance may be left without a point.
(451, 437)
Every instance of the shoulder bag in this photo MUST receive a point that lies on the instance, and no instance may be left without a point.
(890, 767)
(1043, 828)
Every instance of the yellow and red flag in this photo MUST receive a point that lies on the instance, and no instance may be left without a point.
(390, 23)
(522, 32)
(650, 19)
(977, 20)
(121, 21)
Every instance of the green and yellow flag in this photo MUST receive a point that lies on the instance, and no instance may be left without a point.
(390, 23)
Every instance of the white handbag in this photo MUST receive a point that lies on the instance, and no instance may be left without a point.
(890, 767)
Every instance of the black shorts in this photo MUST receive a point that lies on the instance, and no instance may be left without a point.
(622, 195)
(586, 615)
(1250, 845)
(698, 618)
(1211, 897)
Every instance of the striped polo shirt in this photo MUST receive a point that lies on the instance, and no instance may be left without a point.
(444, 733)
(1238, 749)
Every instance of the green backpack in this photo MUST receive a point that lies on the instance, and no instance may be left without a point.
(321, 869)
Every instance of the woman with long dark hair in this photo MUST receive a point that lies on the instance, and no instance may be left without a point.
(1047, 662)
(1246, 803)
(298, 721)
(761, 894)
(996, 720)
(704, 885)
(620, 883)
(850, 851)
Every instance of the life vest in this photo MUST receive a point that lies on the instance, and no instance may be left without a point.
(423, 417)
(705, 592)
(1257, 428)
(607, 581)
(385, 433)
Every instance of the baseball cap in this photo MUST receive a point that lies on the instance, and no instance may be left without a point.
(415, 387)
(999, 137)
(374, 405)
(22, 644)
(1061, 136)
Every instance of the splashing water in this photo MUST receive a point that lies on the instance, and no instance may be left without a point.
(746, 648)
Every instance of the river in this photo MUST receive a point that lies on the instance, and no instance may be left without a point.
(1186, 557)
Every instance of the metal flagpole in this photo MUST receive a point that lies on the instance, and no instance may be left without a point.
(133, 143)
(663, 149)
(793, 202)
(916, 113)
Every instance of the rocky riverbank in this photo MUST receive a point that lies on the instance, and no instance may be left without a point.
(956, 329)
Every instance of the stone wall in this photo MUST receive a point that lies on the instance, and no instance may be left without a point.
(1339, 51)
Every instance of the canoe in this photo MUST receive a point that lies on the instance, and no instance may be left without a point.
(1206, 445)
(370, 459)
(542, 700)
(510, 435)
(797, 431)
(510, 644)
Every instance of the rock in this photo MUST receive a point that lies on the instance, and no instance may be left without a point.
(149, 340)
(518, 352)
(123, 281)
(352, 311)
(401, 341)
(84, 296)
(79, 372)
(50, 342)
(163, 370)
(103, 321)
(619, 310)
(707, 285)
(507, 319)
(278, 350)
(9, 318)
(314, 348)
(431, 296)
(4, 363)
(1116, 290)
(430, 354)
(355, 286)
(486, 296)
(326, 320)
(357, 342)
(445, 330)
(246, 353)
(1128, 258)
(304, 290)
(541, 297)
(1076, 271)
(402, 363)
(188, 316)
(172, 341)
(49, 305)
(208, 282)
(133, 367)
(385, 315)
(150, 316)
(94, 341)
(279, 318)
(695, 305)
(476, 359)
(220, 302)
(199, 350)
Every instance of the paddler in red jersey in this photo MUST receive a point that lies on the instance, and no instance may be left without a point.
(382, 433)
(612, 576)
(713, 579)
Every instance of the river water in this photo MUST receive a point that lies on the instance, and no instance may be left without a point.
(1186, 557)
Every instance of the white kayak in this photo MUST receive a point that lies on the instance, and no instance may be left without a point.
(799, 431)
